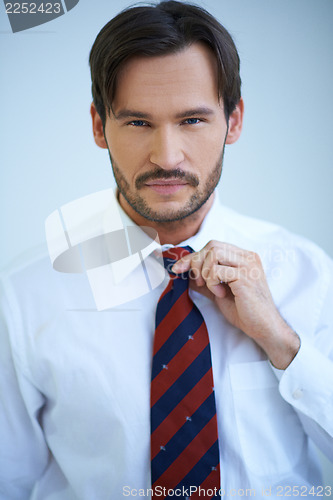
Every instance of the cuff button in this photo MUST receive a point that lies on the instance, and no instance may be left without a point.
(297, 394)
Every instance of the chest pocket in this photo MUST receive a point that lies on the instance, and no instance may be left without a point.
(270, 433)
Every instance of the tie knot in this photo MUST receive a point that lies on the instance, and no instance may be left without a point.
(171, 256)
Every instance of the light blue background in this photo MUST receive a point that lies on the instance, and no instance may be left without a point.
(280, 169)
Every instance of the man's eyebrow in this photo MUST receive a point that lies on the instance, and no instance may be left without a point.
(201, 111)
(125, 114)
(131, 113)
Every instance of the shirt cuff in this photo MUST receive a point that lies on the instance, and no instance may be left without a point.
(307, 384)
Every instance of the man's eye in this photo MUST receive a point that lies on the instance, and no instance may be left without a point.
(137, 123)
(192, 121)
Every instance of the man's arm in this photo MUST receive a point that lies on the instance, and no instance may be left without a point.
(23, 451)
(304, 367)
(236, 281)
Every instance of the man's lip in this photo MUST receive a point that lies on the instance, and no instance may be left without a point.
(165, 182)
(166, 187)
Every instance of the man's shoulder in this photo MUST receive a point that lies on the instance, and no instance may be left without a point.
(32, 283)
(257, 234)
(26, 270)
(248, 226)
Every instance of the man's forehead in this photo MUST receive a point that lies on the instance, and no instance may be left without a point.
(188, 52)
(187, 78)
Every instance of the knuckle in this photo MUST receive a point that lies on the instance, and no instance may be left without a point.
(194, 273)
(195, 261)
(257, 258)
(253, 257)
(197, 258)
(210, 277)
(205, 272)
(212, 244)
(216, 270)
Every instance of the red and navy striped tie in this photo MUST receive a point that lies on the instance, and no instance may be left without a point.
(184, 442)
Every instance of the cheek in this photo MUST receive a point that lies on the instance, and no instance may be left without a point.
(128, 154)
(206, 149)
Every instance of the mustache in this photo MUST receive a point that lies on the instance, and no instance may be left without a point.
(161, 174)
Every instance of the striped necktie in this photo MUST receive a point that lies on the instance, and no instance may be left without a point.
(184, 443)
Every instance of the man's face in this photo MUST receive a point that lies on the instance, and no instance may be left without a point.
(166, 134)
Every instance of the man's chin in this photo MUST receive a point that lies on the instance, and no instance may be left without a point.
(163, 210)
(166, 213)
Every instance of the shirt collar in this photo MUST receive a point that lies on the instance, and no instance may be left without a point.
(207, 228)
(197, 241)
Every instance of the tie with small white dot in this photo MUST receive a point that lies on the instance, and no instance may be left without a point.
(184, 440)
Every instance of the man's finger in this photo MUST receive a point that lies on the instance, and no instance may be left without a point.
(221, 274)
(185, 263)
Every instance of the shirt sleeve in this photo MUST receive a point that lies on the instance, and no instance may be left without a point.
(23, 451)
(307, 383)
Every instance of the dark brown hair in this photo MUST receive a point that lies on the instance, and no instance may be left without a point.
(160, 29)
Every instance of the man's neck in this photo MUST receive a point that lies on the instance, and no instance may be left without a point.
(170, 232)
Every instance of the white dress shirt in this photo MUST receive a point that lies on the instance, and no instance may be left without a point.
(75, 381)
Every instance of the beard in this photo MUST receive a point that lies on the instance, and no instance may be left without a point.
(192, 205)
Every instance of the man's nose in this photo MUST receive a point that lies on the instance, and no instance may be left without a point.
(167, 148)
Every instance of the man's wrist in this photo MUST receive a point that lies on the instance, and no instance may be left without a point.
(282, 346)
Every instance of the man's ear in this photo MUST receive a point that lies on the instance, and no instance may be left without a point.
(97, 126)
(235, 123)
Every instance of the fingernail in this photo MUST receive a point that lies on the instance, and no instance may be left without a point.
(176, 267)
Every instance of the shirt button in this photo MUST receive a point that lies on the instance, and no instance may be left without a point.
(297, 394)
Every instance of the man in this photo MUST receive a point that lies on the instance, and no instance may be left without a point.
(75, 386)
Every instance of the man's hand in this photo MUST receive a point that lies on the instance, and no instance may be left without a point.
(235, 280)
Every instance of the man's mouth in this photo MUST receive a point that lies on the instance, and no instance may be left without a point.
(164, 180)
(166, 186)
